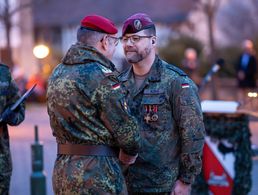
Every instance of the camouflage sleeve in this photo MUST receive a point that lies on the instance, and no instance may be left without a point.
(109, 98)
(12, 96)
(188, 114)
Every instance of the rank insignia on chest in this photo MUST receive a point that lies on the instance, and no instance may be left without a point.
(125, 105)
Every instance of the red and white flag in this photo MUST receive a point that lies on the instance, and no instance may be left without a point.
(185, 85)
(116, 86)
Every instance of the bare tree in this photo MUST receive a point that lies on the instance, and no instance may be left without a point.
(209, 8)
(6, 15)
(238, 20)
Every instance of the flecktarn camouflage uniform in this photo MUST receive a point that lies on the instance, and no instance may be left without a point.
(168, 110)
(86, 105)
(8, 96)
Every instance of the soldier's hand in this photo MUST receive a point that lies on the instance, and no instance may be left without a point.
(181, 188)
(126, 159)
(8, 115)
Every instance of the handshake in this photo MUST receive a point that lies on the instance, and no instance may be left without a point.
(127, 159)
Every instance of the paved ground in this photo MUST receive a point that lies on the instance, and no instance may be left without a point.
(21, 139)
(23, 136)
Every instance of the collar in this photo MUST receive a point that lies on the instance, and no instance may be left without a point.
(155, 72)
(154, 75)
(80, 54)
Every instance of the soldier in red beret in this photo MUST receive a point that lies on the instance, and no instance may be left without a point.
(89, 115)
(166, 103)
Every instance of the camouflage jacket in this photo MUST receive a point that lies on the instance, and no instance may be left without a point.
(86, 105)
(168, 110)
(8, 96)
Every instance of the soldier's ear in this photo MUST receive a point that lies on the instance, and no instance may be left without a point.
(153, 40)
(104, 43)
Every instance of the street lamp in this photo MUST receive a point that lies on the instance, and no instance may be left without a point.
(40, 51)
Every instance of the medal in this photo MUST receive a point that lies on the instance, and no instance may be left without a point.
(147, 117)
(154, 117)
(151, 113)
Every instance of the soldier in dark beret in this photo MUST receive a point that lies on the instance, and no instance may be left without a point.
(166, 104)
(89, 115)
(9, 94)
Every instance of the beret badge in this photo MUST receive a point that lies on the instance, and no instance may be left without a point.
(137, 24)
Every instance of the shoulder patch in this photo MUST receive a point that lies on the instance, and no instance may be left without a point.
(176, 69)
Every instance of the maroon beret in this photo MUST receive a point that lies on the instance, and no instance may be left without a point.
(136, 23)
(99, 23)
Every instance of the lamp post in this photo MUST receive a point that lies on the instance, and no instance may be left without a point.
(40, 51)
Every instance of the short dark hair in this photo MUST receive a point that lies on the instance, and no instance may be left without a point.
(88, 36)
(151, 31)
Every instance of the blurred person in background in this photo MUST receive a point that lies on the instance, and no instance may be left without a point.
(166, 104)
(89, 115)
(39, 94)
(246, 70)
(190, 64)
(9, 94)
(20, 80)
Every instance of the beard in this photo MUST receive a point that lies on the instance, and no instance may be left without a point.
(134, 55)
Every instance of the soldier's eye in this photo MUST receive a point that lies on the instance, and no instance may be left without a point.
(124, 39)
(135, 39)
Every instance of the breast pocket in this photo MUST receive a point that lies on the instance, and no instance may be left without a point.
(153, 106)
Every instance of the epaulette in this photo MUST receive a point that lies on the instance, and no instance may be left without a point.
(176, 69)
(106, 71)
(112, 75)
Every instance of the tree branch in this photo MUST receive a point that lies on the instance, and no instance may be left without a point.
(19, 8)
(216, 5)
